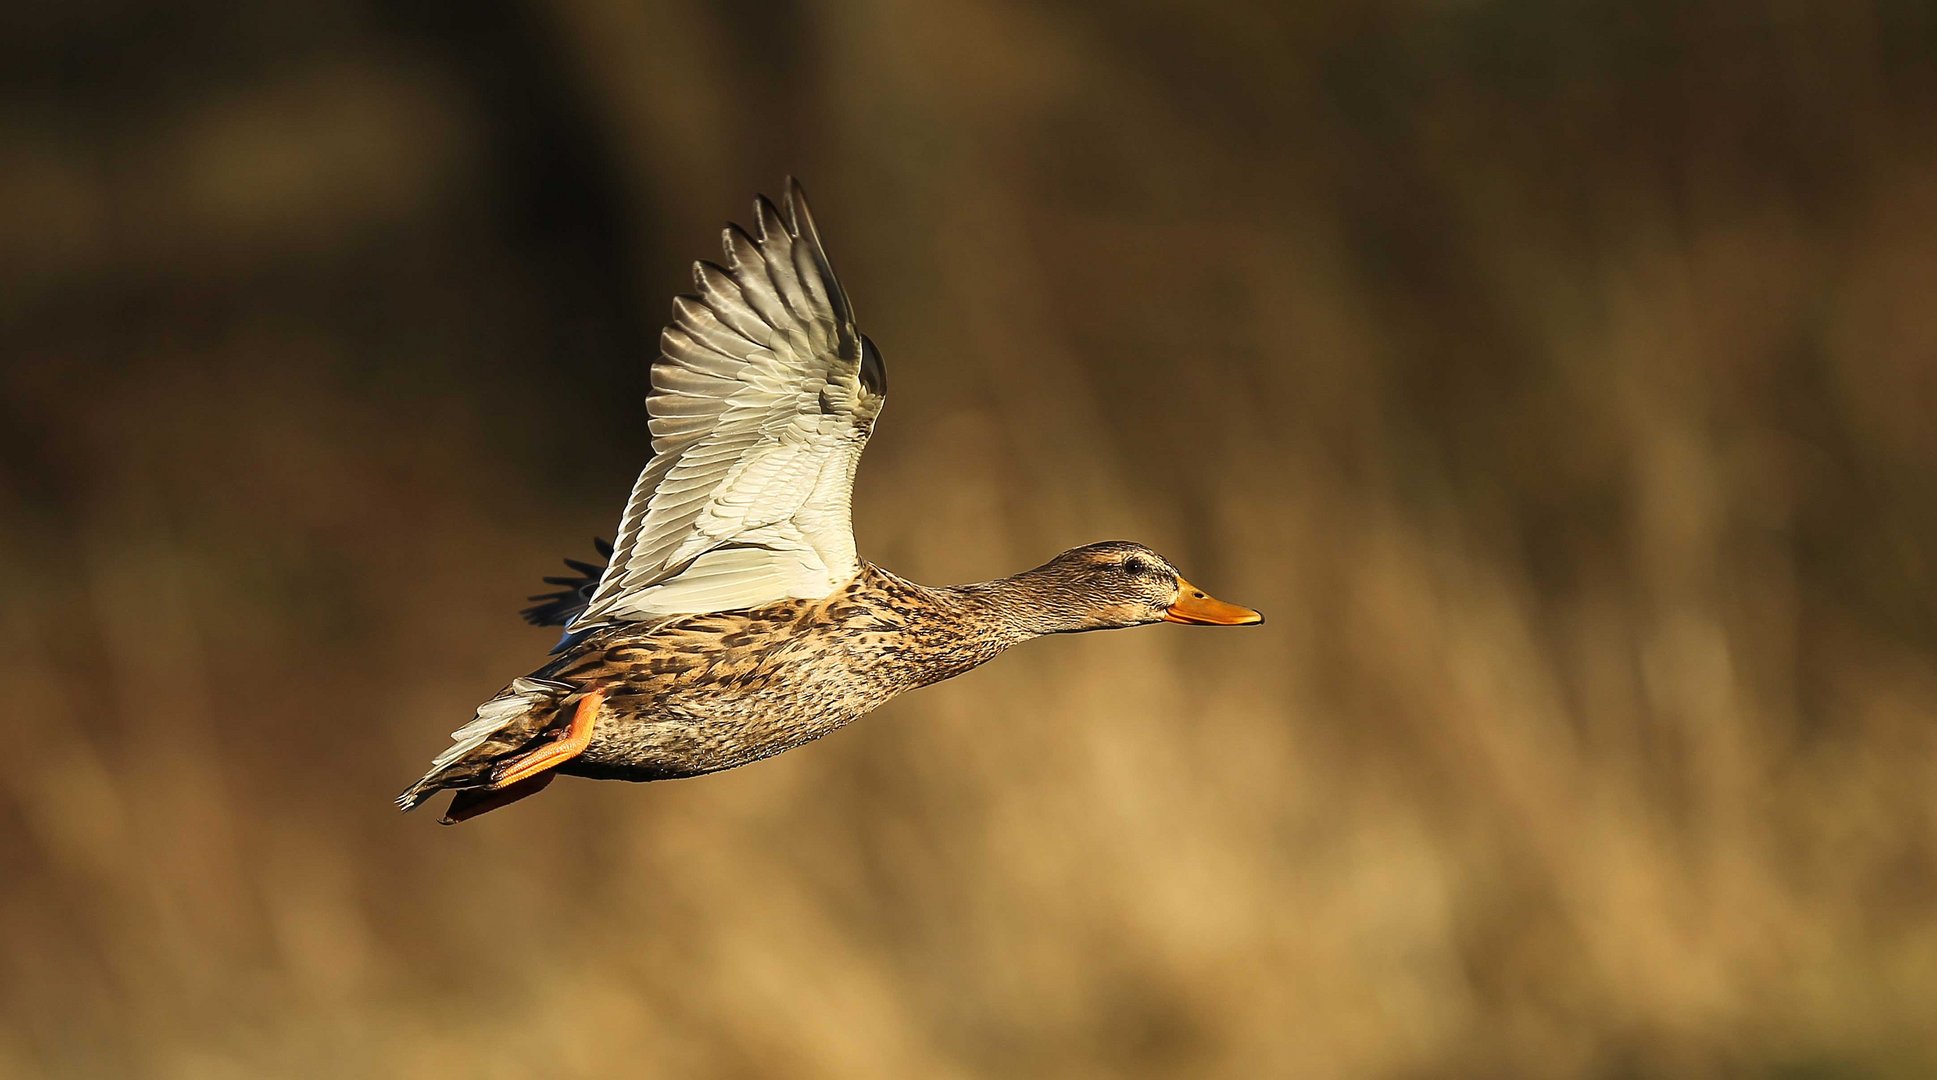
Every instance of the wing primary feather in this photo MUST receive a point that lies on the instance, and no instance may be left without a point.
(801, 220)
(724, 299)
(777, 249)
(757, 287)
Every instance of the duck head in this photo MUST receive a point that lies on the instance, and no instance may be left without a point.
(1118, 583)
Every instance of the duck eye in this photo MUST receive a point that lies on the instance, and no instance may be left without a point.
(1135, 566)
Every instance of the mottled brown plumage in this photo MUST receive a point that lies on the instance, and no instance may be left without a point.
(733, 619)
(700, 693)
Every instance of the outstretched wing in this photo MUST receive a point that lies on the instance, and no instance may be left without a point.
(762, 399)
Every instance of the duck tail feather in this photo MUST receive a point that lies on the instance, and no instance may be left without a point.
(503, 724)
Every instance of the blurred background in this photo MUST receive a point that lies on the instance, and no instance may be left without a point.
(1561, 379)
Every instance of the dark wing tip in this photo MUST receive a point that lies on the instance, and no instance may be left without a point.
(765, 217)
(734, 230)
(800, 220)
(561, 607)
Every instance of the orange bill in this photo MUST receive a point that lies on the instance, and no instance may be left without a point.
(1195, 606)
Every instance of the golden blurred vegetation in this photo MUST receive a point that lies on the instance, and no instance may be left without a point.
(1561, 379)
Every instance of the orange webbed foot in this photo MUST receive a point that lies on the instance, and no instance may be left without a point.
(562, 748)
(529, 772)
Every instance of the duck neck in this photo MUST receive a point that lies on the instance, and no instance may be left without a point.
(1022, 606)
(943, 632)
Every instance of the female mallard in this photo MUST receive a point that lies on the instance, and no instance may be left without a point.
(733, 619)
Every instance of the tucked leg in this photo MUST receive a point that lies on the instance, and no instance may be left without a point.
(577, 736)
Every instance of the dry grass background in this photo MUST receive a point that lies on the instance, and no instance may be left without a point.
(1560, 378)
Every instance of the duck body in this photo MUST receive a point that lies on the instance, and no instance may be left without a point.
(733, 619)
(702, 693)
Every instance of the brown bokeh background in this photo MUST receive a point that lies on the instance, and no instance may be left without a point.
(1561, 379)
